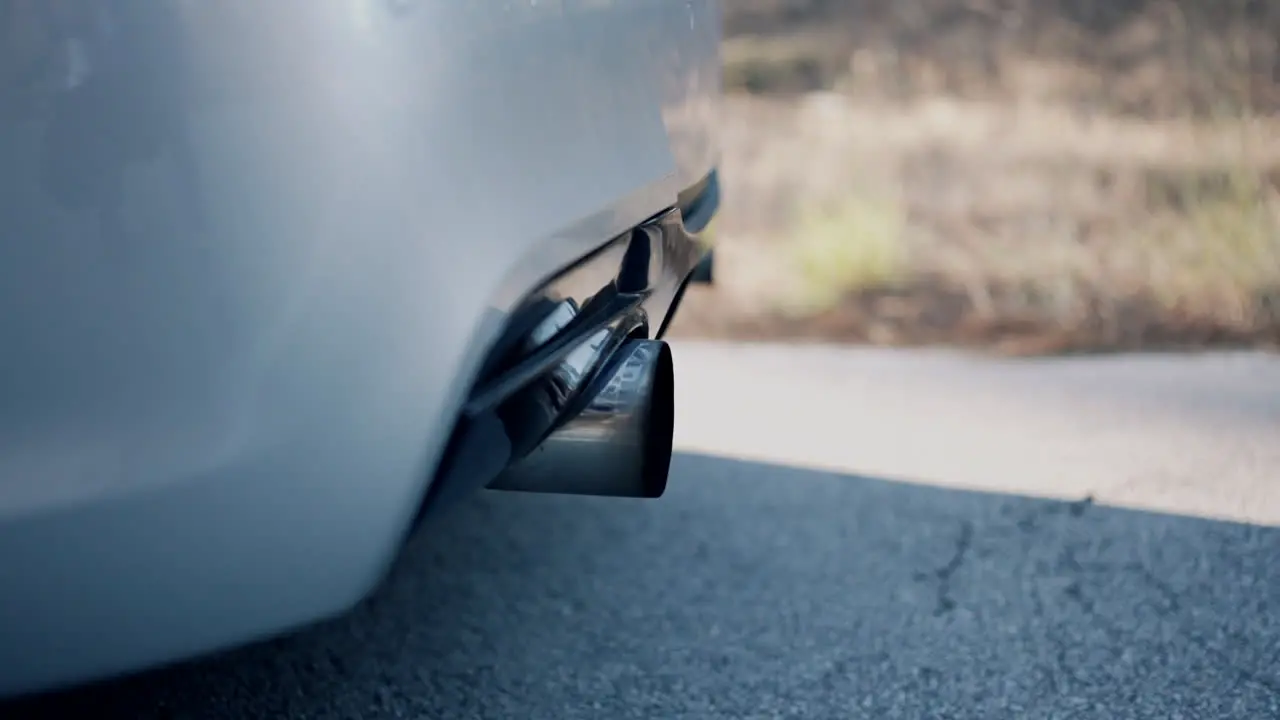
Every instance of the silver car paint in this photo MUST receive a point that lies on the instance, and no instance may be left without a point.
(250, 255)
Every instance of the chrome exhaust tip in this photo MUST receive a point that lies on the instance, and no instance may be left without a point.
(619, 443)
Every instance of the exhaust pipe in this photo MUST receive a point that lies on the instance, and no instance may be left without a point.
(619, 444)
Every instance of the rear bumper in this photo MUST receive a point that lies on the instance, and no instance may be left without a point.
(299, 519)
(251, 263)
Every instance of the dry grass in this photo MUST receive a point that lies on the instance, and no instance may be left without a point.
(1019, 187)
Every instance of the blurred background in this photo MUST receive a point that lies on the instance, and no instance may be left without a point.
(1025, 175)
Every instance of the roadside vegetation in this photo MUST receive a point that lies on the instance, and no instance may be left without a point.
(1029, 175)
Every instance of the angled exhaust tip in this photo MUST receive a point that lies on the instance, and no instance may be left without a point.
(619, 445)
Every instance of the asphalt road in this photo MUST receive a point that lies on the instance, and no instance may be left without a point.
(846, 534)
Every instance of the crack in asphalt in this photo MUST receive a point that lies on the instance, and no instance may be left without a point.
(1072, 568)
(1173, 609)
(1069, 566)
(944, 574)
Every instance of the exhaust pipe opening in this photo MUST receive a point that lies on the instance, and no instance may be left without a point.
(619, 444)
(661, 431)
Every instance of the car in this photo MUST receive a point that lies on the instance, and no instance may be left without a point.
(280, 281)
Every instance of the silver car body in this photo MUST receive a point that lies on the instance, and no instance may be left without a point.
(251, 256)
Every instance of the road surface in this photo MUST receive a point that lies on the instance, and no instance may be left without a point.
(846, 534)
